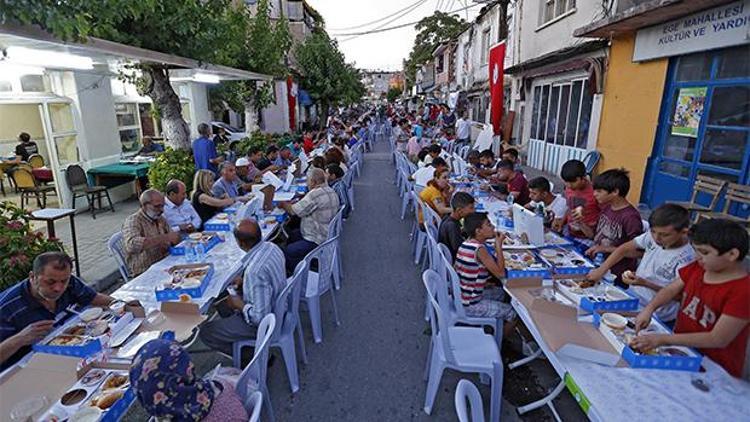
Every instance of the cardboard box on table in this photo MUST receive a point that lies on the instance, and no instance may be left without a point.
(164, 294)
(179, 249)
(179, 317)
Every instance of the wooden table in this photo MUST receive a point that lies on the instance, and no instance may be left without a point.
(50, 215)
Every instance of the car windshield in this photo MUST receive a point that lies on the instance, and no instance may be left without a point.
(227, 127)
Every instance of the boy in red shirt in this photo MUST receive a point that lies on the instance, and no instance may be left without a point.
(583, 210)
(714, 315)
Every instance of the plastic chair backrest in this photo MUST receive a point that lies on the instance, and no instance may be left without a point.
(292, 314)
(438, 320)
(334, 227)
(468, 391)
(591, 160)
(36, 161)
(256, 401)
(281, 307)
(23, 178)
(114, 244)
(445, 256)
(454, 283)
(324, 254)
(75, 176)
(431, 220)
(255, 371)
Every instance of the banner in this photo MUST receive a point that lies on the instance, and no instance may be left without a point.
(497, 61)
(291, 89)
(688, 111)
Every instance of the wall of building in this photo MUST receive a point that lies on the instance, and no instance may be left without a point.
(479, 62)
(198, 106)
(276, 115)
(630, 112)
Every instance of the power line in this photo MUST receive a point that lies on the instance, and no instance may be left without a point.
(383, 25)
(375, 21)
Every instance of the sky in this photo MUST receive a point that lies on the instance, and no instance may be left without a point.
(385, 50)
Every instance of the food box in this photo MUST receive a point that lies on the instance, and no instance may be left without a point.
(676, 358)
(209, 240)
(83, 339)
(591, 296)
(566, 261)
(554, 239)
(189, 279)
(218, 223)
(522, 264)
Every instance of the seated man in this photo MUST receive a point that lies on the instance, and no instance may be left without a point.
(29, 310)
(180, 214)
(229, 185)
(254, 295)
(554, 205)
(284, 158)
(450, 232)
(266, 162)
(25, 148)
(146, 236)
(150, 148)
(425, 174)
(316, 210)
(514, 181)
(336, 182)
(246, 171)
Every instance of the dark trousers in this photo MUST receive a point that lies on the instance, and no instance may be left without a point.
(296, 250)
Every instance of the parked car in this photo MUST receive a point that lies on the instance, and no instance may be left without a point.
(233, 133)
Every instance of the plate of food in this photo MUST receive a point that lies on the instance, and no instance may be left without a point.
(577, 286)
(92, 377)
(115, 380)
(67, 340)
(520, 260)
(195, 236)
(107, 398)
(222, 216)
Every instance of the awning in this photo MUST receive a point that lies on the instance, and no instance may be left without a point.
(104, 52)
(304, 98)
(645, 14)
(558, 56)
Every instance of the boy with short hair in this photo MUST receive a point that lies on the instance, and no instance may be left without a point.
(540, 192)
(583, 210)
(450, 231)
(665, 248)
(515, 182)
(714, 315)
(619, 221)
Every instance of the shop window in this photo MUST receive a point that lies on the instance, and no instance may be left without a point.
(694, 67)
(149, 125)
(543, 112)
(67, 149)
(553, 9)
(730, 106)
(128, 125)
(61, 117)
(734, 63)
(552, 118)
(724, 148)
(564, 113)
(562, 118)
(679, 148)
(575, 103)
(535, 111)
(32, 83)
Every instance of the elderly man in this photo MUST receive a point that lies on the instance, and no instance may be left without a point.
(229, 185)
(253, 296)
(30, 309)
(246, 170)
(316, 210)
(146, 236)
(204, 150)
(180, 214)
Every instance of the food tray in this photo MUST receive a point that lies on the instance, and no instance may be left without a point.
(565, 261)
(82, 344)
(602, 296)
(676, 358)
(93, 383)
(552, 239)
(164, 293)
(218, 223)
(209, 240)
(522, 263)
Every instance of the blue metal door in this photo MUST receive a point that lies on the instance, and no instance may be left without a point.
(704, 125)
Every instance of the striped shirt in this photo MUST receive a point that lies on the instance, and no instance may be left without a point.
(263, 280)
(471, 273)
(316, 209)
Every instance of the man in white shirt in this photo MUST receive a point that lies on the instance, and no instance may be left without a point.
(463, 129)
(425, 174)
(180, 214)
(665, 247)
(540, 192)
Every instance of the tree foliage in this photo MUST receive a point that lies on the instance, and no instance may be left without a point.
(432, 31)
(393, 94)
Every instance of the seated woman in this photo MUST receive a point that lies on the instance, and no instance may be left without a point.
(474, 265)
(437, 194)
(163, 378)
(205, 204)
(335, 156)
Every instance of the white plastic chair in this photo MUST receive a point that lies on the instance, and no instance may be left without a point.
(334, 230)
(253, 376)
(116, 250)
(256, 400)
(418, 236)
(349, 183)
(318, 283)
(468, 391)
(464, 349)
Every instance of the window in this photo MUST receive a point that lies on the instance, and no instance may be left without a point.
(553, 9)
(485, 45)
(128, 125)
(64, 135)
(32, 83)
(561, 113)
(440, 63)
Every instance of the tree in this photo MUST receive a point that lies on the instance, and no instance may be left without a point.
(204, 30)
(431, 32)
(325, 73)
(393, 94)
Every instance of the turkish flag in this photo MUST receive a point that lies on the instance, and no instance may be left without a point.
(291, 90)
(497, 60)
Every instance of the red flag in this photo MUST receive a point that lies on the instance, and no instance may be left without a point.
(291, 90)
(497, 60)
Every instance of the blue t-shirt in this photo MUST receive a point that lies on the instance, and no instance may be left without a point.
(418, 131)
(204, 150)
(18, 309)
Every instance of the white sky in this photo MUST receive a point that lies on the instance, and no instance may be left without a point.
(384, 50)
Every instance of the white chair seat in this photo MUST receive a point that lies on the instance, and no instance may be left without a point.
(473, 348)
(313, 278)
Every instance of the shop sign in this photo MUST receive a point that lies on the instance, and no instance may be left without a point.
(719, 27)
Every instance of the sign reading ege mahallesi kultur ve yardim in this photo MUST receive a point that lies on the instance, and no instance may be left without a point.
(722, 26)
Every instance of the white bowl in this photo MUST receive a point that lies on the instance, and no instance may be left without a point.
(87, 414)
(614, 321)
(613, 294)
(91, 314)
(195, 236)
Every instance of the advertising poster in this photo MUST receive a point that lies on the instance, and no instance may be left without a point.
(688, 111)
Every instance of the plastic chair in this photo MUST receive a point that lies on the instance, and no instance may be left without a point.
(590, 160)
(27, 184)
(464, 349)
(318, 283)
(468, 391)
(349, 183)
(334, 231)
(78, 184)
(418, 235)
(117, 251)
(253, 376)
(256, 400)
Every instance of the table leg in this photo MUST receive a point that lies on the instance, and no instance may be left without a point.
(75, 243)
(546, 401)
(50, 229)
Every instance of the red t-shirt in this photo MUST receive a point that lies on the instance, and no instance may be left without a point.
(308, 145)
(519, 184)
(703, 304)
(582, 198)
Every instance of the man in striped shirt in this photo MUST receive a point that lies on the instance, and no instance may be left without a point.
(264, 278)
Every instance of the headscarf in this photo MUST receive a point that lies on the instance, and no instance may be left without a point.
(164, 380)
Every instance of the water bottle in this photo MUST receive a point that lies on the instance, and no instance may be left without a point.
(189, 252)
(540, 210)
(511, 199)
(200, 252)
(599, 259)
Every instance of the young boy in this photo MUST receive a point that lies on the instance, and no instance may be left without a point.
(514, 181)
(450, 230)
(665, 248)
(540, 193)
(714, 315)
(619, 222)
(583, 210)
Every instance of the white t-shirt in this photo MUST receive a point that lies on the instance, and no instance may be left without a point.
(463, 129)
(559, 206)
(423, 175)
(659, 266)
